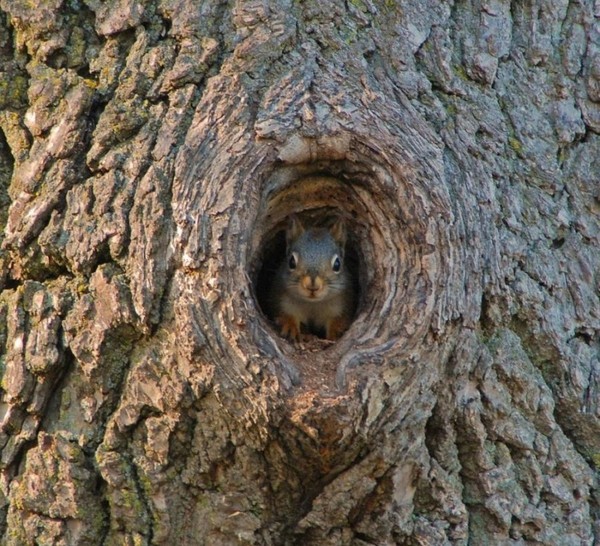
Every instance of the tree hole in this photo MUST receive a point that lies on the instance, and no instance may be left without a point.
(385, 241)
(318, 203)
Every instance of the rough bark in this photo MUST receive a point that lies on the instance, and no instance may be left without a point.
(150, 152)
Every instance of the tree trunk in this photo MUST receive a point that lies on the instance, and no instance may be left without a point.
(150, 154)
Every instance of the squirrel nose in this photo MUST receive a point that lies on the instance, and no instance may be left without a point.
(312, 283)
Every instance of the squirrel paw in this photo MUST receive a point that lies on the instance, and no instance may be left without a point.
(336, 327)
(289, 327)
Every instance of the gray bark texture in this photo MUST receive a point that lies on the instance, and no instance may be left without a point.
(150, 154)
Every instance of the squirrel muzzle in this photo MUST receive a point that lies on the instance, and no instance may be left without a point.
(312, 285)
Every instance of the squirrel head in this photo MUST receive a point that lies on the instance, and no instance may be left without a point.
(315, 260)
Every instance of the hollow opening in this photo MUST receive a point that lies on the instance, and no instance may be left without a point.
(318, 199)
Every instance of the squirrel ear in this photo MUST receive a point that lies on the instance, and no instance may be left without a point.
(294, 229)
(338, 231)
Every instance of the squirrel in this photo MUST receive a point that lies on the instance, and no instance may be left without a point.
(312, 287)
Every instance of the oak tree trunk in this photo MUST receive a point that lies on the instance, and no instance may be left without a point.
(150, 154)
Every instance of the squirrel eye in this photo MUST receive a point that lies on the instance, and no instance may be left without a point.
(336, 264)
(292, 262)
